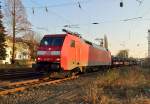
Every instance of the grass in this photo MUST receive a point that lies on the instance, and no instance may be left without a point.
(19, 65)
(130, 85)
(146, 63)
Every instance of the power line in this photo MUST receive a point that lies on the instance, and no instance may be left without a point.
(60, 16)
(140, 1)
(34, 2)
(56, 5)
(129, 19)
(71, 3)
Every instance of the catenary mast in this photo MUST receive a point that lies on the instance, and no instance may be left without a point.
(148, 43)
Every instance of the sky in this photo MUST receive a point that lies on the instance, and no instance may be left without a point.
(126, 27)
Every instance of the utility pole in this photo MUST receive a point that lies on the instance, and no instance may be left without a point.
(149, 44)
(14, 31)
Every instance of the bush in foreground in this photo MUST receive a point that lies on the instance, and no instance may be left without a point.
(120, 86)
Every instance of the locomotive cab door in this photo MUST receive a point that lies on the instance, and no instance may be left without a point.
(77, 56)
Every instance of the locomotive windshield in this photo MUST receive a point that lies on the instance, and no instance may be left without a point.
(52, 41)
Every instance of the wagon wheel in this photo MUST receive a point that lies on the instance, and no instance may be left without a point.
(82, 70)
(70, 74)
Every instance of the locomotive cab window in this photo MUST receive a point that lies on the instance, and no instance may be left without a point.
(52, 41)
(72, 43)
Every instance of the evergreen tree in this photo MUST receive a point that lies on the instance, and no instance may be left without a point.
(2, 38)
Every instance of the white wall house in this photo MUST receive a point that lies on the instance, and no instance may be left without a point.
(22, 51)
(22, 55)
(9, 55)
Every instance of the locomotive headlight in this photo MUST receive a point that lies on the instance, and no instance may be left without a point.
(58, 59)
(38, 58)
(55, 52)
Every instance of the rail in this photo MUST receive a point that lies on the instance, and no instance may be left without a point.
(17, 75)
(11, 88)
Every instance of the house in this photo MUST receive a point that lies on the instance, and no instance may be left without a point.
(22, 50)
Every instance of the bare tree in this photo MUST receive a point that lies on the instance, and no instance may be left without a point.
(32, 39)
(22, 25)
(16, 16)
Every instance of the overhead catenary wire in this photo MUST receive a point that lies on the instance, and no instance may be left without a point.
(46, 8)
(140, 1)
(34, 2)
(64, 4)
(56, 5)
(80, 6)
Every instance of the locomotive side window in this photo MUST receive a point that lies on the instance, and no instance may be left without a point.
(72, 43)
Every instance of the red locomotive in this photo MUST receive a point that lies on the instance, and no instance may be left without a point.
(70, 52)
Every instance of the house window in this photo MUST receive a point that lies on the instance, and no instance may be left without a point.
(7, 55)
(20, 56)
(72, 43)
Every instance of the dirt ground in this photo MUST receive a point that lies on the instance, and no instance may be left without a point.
(118, 86)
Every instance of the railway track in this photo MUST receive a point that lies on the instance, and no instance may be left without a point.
(14, 87)
(19, 75)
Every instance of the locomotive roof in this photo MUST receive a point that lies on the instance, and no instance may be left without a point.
(94, 45)
(48, 35)
(86, 41)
